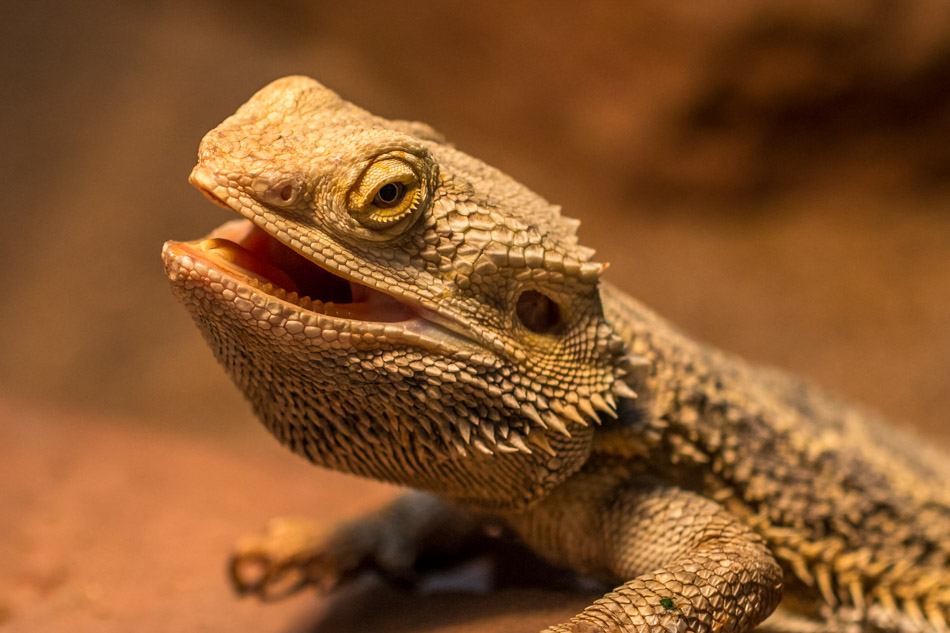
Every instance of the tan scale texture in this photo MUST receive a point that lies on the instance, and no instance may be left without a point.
(611, 445)
(771, 178)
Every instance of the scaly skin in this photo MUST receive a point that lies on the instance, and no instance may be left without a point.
(474, 353)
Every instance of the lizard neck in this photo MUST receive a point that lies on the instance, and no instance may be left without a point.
(712, 423)
(809, 472)
(690, 402)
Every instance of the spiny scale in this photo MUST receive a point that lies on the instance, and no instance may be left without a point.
(540, 439)
(623, 390)
(475, 242)
(601, 404)
(555, 423)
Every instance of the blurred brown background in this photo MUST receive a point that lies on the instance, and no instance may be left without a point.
(772, 176)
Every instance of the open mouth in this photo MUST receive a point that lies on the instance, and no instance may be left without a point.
(250, 254)
(321, 302)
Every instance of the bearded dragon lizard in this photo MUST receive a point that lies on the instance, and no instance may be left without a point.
(394, 308)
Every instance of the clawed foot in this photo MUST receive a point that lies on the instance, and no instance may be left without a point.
(292, 554)
(289, 555)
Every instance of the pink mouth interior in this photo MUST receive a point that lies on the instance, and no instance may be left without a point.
(251, 251)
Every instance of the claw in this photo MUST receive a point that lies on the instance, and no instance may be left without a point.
(268, 581)
(282, 561)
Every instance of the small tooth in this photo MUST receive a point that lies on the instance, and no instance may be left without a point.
(292, 297)
(623, 390)
(556, 424)
(540, 439)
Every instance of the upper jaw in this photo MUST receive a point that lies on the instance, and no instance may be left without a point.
(242, 257)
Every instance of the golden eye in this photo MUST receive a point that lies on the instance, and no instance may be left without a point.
(387, 192)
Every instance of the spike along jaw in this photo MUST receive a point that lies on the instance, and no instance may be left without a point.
(395, 308)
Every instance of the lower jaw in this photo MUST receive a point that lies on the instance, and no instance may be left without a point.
(217, 274)
(244, 252)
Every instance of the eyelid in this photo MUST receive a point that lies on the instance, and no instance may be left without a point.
(385, 170)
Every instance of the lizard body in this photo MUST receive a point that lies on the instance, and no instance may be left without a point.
(396, 309)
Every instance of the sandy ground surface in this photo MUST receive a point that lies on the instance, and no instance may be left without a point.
(131, 532)
(774, 179)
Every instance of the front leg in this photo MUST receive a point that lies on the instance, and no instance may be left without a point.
(399, 541)
(694, 567)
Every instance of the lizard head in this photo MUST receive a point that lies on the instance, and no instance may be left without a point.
(390, 305)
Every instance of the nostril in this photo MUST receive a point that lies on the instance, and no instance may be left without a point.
(281, 193)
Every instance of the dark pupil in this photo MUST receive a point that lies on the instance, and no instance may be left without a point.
(390, 194)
